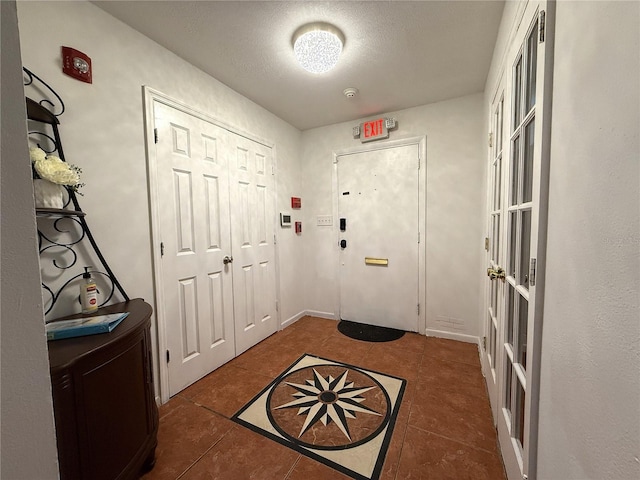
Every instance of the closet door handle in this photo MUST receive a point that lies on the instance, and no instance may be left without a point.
(227, 259)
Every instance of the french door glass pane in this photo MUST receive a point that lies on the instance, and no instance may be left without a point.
(532, 60)
(527, 170)
(517, 86)
(520, 401)
(510, 314)
(525, 243)
(496, 129)
(496, 237)
(495, 186)
(492, 344)
(507, 390)
(515, 157)
(523, 316)
(494, 297)
(498, 182)
(513, 228)
(499, 126)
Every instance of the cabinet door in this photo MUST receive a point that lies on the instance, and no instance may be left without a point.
(112, 402)
(65, 411)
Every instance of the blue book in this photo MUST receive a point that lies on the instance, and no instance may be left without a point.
(84, 326)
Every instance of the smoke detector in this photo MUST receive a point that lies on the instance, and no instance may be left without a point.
(350, 92)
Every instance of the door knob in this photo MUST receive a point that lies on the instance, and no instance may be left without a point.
(497, 272)
(227, 259)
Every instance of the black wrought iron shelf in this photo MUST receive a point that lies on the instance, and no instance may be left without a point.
(58, 213)
(69, 220)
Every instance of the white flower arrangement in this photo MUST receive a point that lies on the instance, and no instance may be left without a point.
(51, 168)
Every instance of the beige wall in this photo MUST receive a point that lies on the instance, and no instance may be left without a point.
(27, 435)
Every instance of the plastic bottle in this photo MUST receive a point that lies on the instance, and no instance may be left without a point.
(88, 293)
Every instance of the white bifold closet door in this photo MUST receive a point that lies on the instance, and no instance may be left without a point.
(215, 229)
(252, 231)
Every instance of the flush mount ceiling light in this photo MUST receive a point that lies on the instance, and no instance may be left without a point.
(317, 46)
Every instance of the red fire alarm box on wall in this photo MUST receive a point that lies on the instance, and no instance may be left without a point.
(296, 202)
(76, 64)
(298, 228)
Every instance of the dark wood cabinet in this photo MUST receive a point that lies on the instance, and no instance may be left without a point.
(103, 398)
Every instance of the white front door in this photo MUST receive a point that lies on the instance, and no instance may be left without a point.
(527, 123)
(194, 230)
(378, 203)
(252, 217)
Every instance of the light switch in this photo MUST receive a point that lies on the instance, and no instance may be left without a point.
(324, 220)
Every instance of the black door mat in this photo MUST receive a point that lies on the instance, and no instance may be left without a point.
(368, 333)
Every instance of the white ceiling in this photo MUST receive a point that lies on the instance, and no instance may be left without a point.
(398, 54)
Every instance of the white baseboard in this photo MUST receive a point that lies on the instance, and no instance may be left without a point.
(327, 315)
(461, 337)
(292, 320)
(313, 313)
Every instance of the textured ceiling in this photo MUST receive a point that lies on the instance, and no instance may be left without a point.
(397, 54)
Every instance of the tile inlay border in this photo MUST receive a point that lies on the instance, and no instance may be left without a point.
(338, 414)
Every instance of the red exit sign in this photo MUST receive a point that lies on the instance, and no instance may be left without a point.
(373, 130)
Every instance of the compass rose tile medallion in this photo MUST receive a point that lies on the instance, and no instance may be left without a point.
(338, 414)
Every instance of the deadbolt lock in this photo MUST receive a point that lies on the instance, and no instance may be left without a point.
(497, 272)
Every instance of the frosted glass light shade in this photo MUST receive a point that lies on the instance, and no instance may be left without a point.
(317, 46)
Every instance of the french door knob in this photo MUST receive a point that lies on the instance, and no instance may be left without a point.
(498, 272)
(227, 259)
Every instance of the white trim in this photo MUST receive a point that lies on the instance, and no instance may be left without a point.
(421, 142)
(160, 97)
(312, 313)
(152, 181)
(460, 337)
(327, 315)
(291, 320)
(277, 237)
(515, 25)
(150, 96)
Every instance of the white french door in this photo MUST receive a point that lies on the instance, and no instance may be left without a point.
(518, 185)
(495, 251)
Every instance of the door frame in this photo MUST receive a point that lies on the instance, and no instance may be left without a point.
(421, 143)
(150, 96)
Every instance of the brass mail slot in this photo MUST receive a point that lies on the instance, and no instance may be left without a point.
(376, 261)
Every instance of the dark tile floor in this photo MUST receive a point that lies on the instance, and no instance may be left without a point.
(444, 428)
